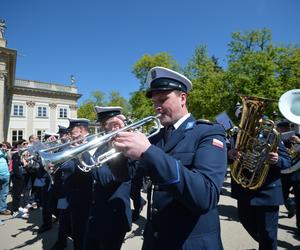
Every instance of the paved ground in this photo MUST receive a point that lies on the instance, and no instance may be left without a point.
(21, 234)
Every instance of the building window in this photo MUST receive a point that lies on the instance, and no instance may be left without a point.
(16, 135)
(63, 112)
(42, 112)
(18, 110)
(40, 134)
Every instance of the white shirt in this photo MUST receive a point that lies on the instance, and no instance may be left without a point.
(181, 120)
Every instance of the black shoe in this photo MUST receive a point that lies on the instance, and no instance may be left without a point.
(43, 229)
(291, 214)
(59, 246)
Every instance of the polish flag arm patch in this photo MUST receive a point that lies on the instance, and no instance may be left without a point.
(217, 143)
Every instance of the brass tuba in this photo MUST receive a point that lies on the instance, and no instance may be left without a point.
(256, 138)
(289, 106)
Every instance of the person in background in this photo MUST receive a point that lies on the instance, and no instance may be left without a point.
(110, 216)
(186, 162)
(19, 173)
(294, 173)
(4, 180)
(32, 171)
(289, 202)
(78, 185)
(258, 209)
(59, 189)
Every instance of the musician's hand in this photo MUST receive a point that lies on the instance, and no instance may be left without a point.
(295, 139)
(131, 144)
(273, 158)
(234, 155)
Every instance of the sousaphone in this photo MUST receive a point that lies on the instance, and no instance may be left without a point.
(289, 105)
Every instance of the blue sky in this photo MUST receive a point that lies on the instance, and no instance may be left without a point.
(99, 41)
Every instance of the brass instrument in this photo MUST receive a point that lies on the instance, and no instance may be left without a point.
(256, 138)
(289, 106)
(64, 152)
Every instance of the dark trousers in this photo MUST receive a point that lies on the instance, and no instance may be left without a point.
(296, 187)
(135, 193)
(261, 222)
(17, 188)
(114, 243)
(27, 186)
(64, 228)
(49, 203)
(79, 221)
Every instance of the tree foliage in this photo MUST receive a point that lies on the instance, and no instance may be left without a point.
(209, 93)
(141, 105)
(255, 67)
(87, 109)
(146, 62)
(258, 68)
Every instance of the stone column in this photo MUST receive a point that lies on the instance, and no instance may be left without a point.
(30, 117)
(52, 117)
(73, 111)
(2, 107)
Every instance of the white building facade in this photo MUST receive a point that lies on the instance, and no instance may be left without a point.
(39, 107)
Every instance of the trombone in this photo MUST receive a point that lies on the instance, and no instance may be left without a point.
(47, 156)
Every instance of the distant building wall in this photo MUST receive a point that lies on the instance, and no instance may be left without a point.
(39, 107)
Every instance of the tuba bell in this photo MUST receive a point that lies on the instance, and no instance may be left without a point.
(256, 138)
(289, 105)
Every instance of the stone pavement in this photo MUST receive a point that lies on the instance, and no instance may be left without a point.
(21, 234)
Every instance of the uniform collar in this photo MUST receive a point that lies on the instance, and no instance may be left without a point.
(181, 120)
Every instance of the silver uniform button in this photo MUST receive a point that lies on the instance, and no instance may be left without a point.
(155, 210)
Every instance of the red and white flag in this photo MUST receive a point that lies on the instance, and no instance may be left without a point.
(217, 143)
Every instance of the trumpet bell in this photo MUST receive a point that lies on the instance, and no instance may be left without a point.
(289, 105)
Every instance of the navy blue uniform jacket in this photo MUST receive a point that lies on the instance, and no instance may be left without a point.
(187, 174)
(110, 211)
(270, 194)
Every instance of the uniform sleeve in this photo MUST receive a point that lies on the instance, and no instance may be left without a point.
(196, 179)
(284, 160)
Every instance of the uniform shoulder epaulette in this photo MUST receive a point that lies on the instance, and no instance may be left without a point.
(204, 121)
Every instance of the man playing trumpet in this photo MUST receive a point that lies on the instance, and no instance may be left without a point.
(110, 216)
(186, 163)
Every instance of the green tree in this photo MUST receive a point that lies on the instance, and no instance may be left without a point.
(87, 109)
(143, 65)
(253, 67)
(115, 99)
(140, 104)
(209, 93)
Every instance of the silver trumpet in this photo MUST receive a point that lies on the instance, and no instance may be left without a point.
(64, 152)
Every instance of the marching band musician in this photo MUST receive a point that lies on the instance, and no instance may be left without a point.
(282, 127)
(294, 173)
(62, 173)
(78, 185)
(110, 216)
(186, 162)
(258, 210)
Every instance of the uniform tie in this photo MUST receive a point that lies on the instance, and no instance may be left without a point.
(168, 132)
